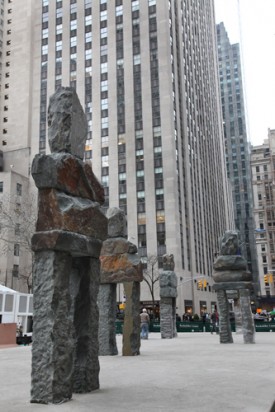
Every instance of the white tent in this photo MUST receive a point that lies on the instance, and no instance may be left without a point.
(4, 289)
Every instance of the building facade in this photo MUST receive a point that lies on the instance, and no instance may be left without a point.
(146, 74)
(237, 147)
(263, 175)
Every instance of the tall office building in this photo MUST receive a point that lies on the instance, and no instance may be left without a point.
(237, 145)
(146, 74)
(263, 175)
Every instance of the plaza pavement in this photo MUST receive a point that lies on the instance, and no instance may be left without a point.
(191, 373)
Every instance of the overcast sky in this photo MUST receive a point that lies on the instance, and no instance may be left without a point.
(255, 27)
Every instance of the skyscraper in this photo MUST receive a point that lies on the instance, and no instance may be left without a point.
(236, 143)
(146, 74)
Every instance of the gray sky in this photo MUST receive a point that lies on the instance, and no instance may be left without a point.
(255, 26)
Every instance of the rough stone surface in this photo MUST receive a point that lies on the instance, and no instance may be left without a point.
(67, 123)
(238, 316)
(59, 211)
(75, 244)
(168, 318)
(247, 317)
(131, 327)
(168, 262)
(168, 284)
(121, 264)
(117, 226)
(224, 322)
(121, 268)
(229, 243)
(107, 319)
(70, 231)
(116, 246)
(232, 276)
(64, 172)
(53, 344)
(168, 292)
(85, 283)
(230, 262)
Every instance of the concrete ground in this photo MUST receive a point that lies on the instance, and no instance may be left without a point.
(191, 373)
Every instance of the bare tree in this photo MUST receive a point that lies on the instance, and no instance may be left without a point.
(17, 224)
(151, 276)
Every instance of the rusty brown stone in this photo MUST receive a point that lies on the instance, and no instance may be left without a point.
(121, 268)
(58, 211)
(66, 173)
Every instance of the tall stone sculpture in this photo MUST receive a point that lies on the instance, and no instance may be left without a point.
(168, 293)
(120, 263)
(231, 274)
(71, 227)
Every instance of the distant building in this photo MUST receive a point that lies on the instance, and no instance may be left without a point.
(237, 147)
(263, 175)
(146, 74)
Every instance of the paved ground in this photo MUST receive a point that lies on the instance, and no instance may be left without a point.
(191, 373)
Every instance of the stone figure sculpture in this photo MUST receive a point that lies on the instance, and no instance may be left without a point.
(168, 294)
(231, 274)
(71, 227)
(120, 263)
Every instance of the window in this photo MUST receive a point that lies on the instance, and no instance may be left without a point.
(16, 249)
(17, 229)
(15, 271)
(1, 187)
(18, 189)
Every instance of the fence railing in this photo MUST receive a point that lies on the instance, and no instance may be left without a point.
(201, 326)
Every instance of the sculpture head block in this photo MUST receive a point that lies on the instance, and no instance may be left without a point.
(230, 243)
(67, 123)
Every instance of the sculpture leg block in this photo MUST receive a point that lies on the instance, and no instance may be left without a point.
(247, 318)
(86, 363)
(53, 344)
(131, 328)
(167, 318)
(238, 317)
(224, 322)
(107, 319)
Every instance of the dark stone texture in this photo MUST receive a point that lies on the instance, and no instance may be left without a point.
(67, 123)
(224, 322)
(168, 292)
(116, 246)
(168, 326)
(66, 173)
(168, 284)
(107, 319)
(235, 281)
(70, 230)
(120, 264)
(131, 327)
(229, 243)
(73, 243)
(121, 268)
(168, 262)
(53, 343)
(232, 276)
(59, 211)
(117, 222)
(247, 317)
(86, 363)
(230, 262)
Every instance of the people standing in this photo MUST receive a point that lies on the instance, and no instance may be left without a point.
(144, 323)
(214, 322)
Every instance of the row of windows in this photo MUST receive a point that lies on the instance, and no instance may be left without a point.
(18, 188)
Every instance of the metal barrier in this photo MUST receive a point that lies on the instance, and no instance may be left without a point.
(200, 326)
